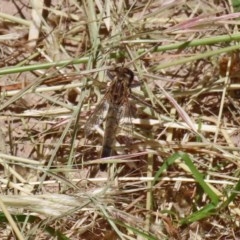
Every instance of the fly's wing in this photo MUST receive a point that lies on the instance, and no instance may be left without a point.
(97, 117)
(125, 118)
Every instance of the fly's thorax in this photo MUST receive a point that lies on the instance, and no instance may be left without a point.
(121, 74)
(119, 92)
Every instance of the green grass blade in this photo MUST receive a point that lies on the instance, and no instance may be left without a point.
(206, 211)
(199, 178)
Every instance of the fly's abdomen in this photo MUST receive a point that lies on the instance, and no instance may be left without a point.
(106, 152)
(109, 134)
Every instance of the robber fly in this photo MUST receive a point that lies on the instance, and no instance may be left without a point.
(116, 103)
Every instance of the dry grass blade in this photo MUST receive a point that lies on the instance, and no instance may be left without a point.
(136, 222)
(34, 30)
(11, 221)
(181, 112)
(177, 170)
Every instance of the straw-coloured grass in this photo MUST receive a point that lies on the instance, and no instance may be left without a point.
(175, 172)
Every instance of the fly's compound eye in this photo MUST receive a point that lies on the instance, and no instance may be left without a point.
(128, 74)
(111, 74)
(121, 74)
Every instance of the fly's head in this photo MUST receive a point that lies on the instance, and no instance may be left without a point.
(121, 74)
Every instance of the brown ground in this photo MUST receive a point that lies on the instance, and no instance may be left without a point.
(49, 172)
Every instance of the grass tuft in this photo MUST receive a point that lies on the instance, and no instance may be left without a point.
(175, 176)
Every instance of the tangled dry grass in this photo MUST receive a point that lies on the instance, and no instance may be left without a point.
(178, 178)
